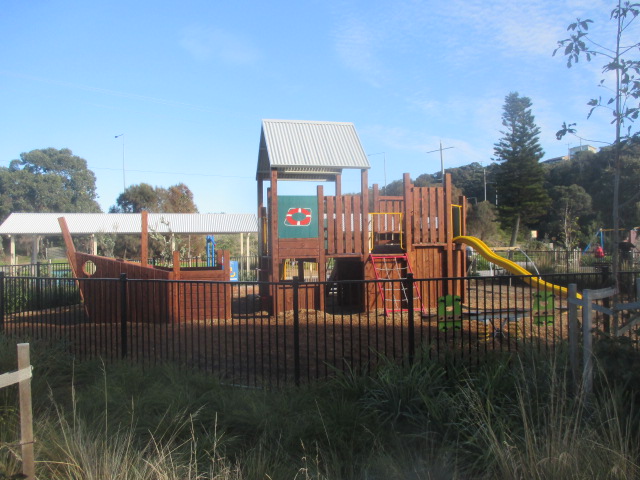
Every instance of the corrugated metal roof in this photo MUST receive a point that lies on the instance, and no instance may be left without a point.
(87, 223)
(311, 148)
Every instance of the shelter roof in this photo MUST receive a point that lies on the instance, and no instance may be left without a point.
(125, 223)
(307, 150)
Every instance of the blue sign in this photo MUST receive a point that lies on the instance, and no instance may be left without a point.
(234, 270)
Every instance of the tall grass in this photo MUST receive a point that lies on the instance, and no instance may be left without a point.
(510, 418)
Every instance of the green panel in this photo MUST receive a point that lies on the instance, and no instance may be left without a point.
(457, 220)
(297, 216)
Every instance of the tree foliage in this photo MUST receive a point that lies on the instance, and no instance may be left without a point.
(47, 180)
(175, 199)
(520, 177)
(619, 68)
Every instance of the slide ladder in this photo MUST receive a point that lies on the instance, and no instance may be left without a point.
(394, 294)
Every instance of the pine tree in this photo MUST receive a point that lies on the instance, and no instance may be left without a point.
(520, 177)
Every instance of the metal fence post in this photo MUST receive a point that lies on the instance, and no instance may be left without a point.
(123, 315)
(409, 285)
(296, 330)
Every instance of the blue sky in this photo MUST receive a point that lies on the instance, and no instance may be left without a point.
(189, 82)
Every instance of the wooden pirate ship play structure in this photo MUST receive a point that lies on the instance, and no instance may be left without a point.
(363, 236)
(168, 301)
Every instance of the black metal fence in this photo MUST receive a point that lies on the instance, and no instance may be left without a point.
(552, 261)
(361, 323)
(59, 270)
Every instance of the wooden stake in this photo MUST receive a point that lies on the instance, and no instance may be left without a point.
(26, 415)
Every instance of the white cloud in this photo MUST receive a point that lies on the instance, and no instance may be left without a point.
(207, 43)
(356, 47)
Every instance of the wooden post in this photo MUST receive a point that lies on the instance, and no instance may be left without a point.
(340, 220)
(572, 297)
(274, 275)
(71, 249)
(144, 240)
(448, 225)
(322, 258)
(407, 198)
(365, 213)
(587, 348)
(261, 215)
(176, 265)
(376, 197)
(26, 414)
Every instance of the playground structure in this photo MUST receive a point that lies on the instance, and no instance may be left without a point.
(172, 302)
(363, 236)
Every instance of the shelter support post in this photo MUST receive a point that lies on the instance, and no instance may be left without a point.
(12, 250)
(35, 247)
(94, 244)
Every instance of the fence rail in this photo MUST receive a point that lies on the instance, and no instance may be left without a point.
(499, 314)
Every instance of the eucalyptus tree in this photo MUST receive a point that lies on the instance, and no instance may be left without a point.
(47, 180)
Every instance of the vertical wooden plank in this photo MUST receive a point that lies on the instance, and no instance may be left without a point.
(331, 226)
(432, 215)
(376, 198)
(348, 223)
(407, 198)
(26, 415)
(339, 216)
(357, 224)
(415, 215)
(364, 192)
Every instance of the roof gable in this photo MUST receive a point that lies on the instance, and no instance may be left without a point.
(306, 150)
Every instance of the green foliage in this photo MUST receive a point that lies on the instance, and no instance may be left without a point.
(506, 418)
(175, 199)
(47, 180)
(623, 105)
(25, 294)
(482, 223)
(520, 177)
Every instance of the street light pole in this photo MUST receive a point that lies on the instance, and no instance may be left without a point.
(384, 167)
(124, 182)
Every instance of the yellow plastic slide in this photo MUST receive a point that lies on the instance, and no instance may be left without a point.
(482, 248)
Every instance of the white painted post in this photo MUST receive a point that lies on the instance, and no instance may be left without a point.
(94, 244)
(12, 250)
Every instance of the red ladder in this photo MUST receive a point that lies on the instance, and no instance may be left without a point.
(394, 294)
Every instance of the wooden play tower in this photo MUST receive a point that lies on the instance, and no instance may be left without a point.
(363, 236)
